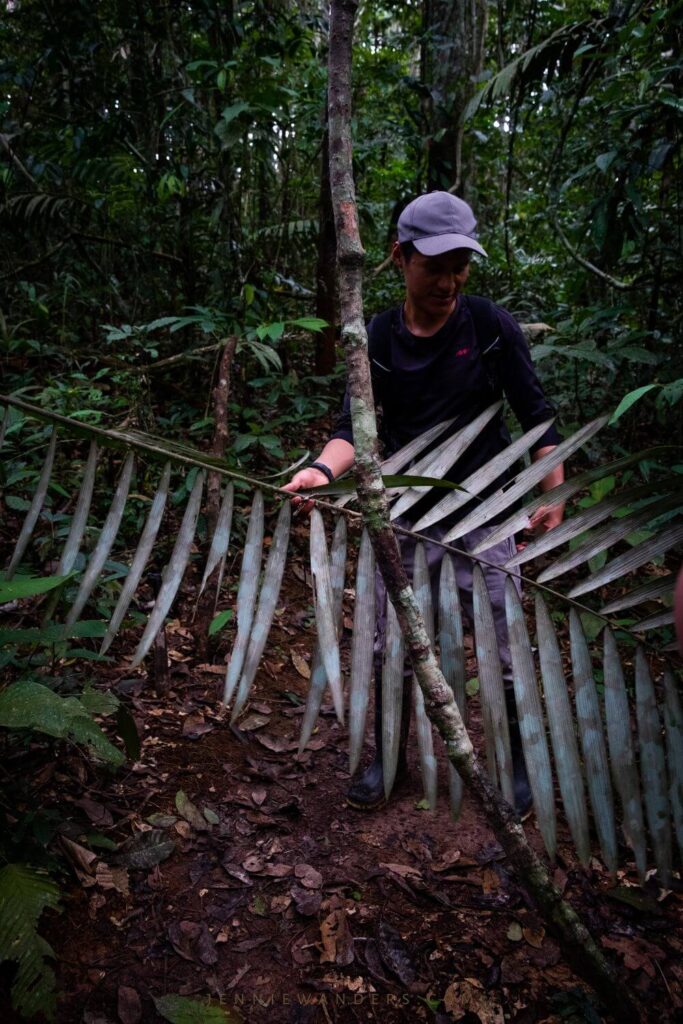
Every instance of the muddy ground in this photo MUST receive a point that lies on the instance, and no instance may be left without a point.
(241, 877)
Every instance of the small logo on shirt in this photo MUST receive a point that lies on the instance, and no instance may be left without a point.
(463, 352)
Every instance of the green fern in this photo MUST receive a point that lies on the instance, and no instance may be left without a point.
(24, 894)
(30, 705)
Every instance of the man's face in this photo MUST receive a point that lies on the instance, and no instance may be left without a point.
(433, 282)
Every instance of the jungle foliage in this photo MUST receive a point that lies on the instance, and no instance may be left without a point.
(163, 189)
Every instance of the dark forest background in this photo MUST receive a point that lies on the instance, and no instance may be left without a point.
(163, 186)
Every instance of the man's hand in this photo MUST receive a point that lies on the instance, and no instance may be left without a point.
(545, 518)
(305, 480)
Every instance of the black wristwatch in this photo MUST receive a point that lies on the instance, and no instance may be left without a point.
(323, 469)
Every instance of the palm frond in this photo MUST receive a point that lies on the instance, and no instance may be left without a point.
(617, 773)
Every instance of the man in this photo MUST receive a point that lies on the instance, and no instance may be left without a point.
(437, 356)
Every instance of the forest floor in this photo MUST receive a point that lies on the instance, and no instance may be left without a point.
(246, 879)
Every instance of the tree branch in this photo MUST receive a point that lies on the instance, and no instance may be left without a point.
(587, 265)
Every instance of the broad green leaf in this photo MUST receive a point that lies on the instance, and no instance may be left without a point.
(29, 586)
(629, 400)
(310, 323)
(220, 620)
(30, 705)
(181, 1010)
(53, 632)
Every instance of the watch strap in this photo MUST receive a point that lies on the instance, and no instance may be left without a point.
(325, 470)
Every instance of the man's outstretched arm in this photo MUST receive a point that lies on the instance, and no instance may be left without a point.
(548, 516)
(337, 455)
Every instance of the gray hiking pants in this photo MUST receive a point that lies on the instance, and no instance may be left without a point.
(498, 555)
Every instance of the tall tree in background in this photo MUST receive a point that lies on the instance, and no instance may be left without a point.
(452, 58)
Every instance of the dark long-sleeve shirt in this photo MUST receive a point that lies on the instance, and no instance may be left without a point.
(419, 382)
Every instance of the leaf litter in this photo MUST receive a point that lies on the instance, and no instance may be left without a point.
(398, 905)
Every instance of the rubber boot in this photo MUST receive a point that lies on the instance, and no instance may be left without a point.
(522, 789)
(367, 790)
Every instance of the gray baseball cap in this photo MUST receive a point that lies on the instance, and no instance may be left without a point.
(438, 222)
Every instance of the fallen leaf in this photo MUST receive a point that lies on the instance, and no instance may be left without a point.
(235, 871)
(259, 906)
(277, 870)
(308, 876)
(128, 1005)
(278, 744)
(97, 813)
(112, 878)
(211, 816)
(301, 665)
(196, 726)
(162, 820)
(534, 936)
(490, 882)
(81, 858)
(370, 839)
(404, 870)
(514, 932)
(468, 996)
(638, 954)
(253, 864)
(146, 849)
(190, 812)
(192, 940)
(336, 938)
(278, 904)
(306, 901)
(446, 862)
(395, 953)
(301, 950)
(259, 795)
(183, 829)
(253, 722)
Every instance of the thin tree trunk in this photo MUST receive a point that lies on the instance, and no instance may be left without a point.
(578, 945)
(325, 274)
(220, 395)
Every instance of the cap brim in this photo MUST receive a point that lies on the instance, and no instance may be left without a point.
(438, 244)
